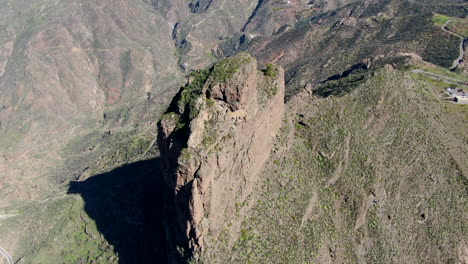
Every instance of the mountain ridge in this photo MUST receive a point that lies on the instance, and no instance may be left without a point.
(83, 87)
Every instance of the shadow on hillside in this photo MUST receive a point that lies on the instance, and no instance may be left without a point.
(126, 204)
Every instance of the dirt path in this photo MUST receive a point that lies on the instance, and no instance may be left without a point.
(442, 78)
(310, 208)
(7, 256)
(462, 51)
(343, 163)
(3, 217)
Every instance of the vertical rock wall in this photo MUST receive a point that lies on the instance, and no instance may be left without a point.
(214, 141)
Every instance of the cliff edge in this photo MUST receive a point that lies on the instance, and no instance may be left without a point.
(214, 140)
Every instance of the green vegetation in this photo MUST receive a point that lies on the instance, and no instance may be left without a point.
(64, 234)
(267, 88)
(226, 68)
(111, 149)
(439, 84)
(442, 49)
(14, 136)
(444, 72)
(209, 102)
(356, 171)
(438, 87)
(130, 148)
(170, 117)
(191, 92)
(375, 8)
(209, 135)
(341, 86)
(271, 70)
(277, 9)
(186, 154)
(125, 64)
(459, 26)
(440, 20)
(173, 118)
(187, 105)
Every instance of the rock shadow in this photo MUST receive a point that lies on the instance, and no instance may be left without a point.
(127, 205)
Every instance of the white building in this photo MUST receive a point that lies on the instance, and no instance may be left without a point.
(457, 94)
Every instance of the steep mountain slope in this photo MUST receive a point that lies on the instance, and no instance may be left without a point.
(77, 70)
(270, 16)
(371, 176)
(369, 165)
(82, 85)
(374, 176)
(214, 141)
(65, 76)
(331, 43)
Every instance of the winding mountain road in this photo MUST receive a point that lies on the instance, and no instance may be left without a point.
(442, 78)
(7, 256)
(462, 51)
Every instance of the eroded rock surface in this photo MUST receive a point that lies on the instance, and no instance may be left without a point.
(214, 141)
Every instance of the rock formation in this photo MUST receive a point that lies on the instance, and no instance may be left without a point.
(214, 141)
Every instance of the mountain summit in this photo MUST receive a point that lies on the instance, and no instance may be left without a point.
(233, 131)
(215, 143)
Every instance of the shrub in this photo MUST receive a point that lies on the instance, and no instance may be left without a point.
(271, 71)
(226, 68)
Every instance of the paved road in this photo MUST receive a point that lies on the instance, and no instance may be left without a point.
(8, 257)
(442, 78)
(462, 51)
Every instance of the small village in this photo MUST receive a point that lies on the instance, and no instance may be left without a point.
(458, 95)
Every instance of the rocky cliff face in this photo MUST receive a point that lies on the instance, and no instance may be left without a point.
(200, 6)
(214, 141)
(270, 16)
(366, 177)
(83, 84)
(71, 70)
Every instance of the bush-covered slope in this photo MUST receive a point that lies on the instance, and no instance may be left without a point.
(332, 42)
(374, 176)
(372, 168)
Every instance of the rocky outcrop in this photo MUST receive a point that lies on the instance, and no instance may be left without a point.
(200, 6)
(214, 141)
